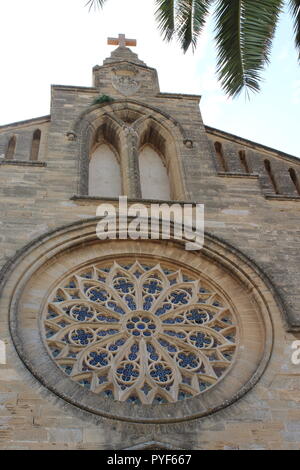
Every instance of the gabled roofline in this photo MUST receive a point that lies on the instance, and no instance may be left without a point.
(27, 122)
(252, 144)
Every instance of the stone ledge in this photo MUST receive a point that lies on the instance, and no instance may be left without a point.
(23, 163)
(83, 198)
(238, 175)
(282, 197)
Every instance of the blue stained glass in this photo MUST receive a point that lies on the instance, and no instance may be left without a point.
(58, 298)
(161, 373)
(163, 309)
(51, 314)
(150, 348)
(120, 342)
(179, 298)
(98, 294)
(127, 372)
(136, 333)
(67, 369)
(200, 340)
(98, 359)
(203, 291)
(141, 326)
(137, 274)
(107, 319)
(86, 275)
(57, 351)
(130, 302)
(188, 360)
(134, 348)
(147, 303)
(82, 313)
(71, 285)
(169, 321)
(217, 327)
(102, 333)
(194, 315)
(146, 389)
(115, 308)
(124, 286)
(49, 333)
(132, 356)
(82, 336)
(112, 332)
(152, 287)
(154, 356)
(86, 383)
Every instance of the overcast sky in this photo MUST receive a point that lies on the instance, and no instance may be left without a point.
(59, 41)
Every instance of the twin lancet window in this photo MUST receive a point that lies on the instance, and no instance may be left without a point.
(123, 157)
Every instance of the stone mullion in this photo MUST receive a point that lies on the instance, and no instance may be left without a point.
(131, 174)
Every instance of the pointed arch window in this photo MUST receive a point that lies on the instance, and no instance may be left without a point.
(11, 148)
(153, 164)
(104, 173)
(153, 175)
(104, 164)
(35, 145)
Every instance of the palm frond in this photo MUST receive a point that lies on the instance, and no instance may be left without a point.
(295, 9)
(165, 17)
(244, 34)
(191, 16)
(95, 4)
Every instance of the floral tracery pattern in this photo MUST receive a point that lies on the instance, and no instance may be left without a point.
(140, 332)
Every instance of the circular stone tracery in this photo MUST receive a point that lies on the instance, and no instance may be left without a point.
(140, 332)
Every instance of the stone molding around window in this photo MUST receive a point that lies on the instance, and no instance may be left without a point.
(127, 126)
(40, 269)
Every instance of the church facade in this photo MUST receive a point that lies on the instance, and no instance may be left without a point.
(142, 344)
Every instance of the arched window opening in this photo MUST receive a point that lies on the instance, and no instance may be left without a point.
(104, 166)
(153, 175)
(271, 175)
(244, 162)
(35, 145)
(220, 156)
(295, 180)
(11, 148)
(153, 164)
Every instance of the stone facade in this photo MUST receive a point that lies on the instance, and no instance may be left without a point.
(251, 196)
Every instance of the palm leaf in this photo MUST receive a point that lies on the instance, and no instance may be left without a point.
(190, 19)
(244, 34)
(295, 9)
(95, 3)
(165, 17)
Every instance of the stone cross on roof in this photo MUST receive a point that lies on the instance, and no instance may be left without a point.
(121, 41)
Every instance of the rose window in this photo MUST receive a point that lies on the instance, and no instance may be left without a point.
(140, 332)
